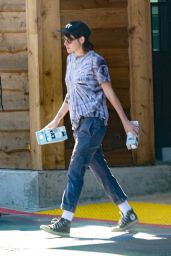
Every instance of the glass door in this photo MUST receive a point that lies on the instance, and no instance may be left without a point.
(161, 45)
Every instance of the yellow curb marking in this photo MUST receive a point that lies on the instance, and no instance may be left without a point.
(148, 213)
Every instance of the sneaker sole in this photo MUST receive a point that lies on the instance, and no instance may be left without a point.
(51, 231)
(127, 228)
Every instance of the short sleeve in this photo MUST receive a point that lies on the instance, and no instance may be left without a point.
(101, 70)
(66, 98)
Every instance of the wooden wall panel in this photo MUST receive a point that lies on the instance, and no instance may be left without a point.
(119, 157)
(121, 84)
(12, 21)
(120, 73)
(122, 94)
(12, 5)
(113, 17)
(118, 38)
(92, 4)
(14, 141)
(12, 62)
(14, 100)
(115, 57)
(15, 149)
(13, 42)
(18, 160)
(15, 94)
(14, 81)
(14, 120)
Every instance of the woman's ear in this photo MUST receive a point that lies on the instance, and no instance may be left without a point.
(82, 39)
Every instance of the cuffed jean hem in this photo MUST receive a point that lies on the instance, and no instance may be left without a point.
(120, 201)
(67, 208)
(72, 209)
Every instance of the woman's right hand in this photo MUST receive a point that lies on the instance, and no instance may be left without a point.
(52, 125)
(60, 114)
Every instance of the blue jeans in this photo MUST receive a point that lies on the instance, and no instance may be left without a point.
(88, 152)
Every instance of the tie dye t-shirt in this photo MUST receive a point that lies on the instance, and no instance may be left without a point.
(85, 96)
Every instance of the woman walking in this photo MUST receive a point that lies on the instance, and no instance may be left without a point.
(88, 86)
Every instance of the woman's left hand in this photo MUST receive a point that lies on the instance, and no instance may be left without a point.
(130, 127)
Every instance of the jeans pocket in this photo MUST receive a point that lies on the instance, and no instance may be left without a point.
(97, 127)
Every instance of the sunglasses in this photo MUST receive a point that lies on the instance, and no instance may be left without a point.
(68, 40)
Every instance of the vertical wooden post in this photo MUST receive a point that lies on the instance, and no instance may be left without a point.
(45, 78)
(141, 86)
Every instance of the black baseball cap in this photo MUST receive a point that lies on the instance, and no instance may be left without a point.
(76, 28)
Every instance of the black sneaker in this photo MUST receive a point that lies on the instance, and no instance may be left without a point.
(126, 222)
(54, 220)
(60, 228)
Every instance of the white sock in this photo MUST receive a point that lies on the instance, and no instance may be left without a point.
(124, 207)
(68, 215)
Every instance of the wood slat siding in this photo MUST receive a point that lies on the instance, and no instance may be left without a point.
(122, 93)
(12, 141)
(12, 5)
(14, 151)
(79, 5)
(115, 57)
(113, 17)
(17, 160)
(118, 38)
(12, 22)
(14, 120)
(110, 39)
(14, 82)
(13, 42)
(13, 62)
(14, 100)
(120, 73)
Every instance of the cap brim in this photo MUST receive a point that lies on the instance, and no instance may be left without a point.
(64, 30)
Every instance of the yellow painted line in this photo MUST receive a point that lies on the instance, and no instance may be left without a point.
(148, 213)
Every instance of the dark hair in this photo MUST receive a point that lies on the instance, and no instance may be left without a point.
(87, 46)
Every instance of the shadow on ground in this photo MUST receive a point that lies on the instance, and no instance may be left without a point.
(20, 235)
